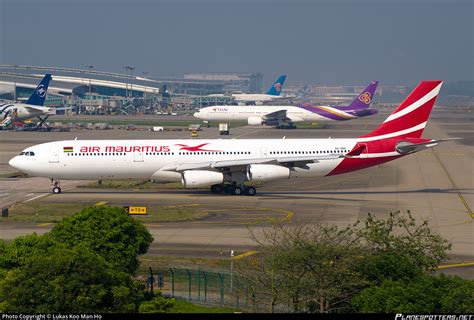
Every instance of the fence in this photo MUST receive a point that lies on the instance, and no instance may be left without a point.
(201, 287)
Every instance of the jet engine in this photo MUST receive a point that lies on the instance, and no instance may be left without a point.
(255, 121)
(200, 178)
(165, 176)
(267, 172)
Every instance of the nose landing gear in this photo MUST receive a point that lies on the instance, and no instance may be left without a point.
(56, 188)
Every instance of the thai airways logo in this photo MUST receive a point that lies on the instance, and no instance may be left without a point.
(278, 86)
(365, 98)
(41, 91)
(196, 148)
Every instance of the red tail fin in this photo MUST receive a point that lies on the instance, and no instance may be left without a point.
(410, 118)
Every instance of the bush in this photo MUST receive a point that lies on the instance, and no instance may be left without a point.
(109, 232)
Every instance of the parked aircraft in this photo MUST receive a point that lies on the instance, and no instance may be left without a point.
(31, 109)
(272, 93)
(286, 116)
(225, 164)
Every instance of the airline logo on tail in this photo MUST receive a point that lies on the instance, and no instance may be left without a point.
(41, 90)
(39, 95)
(278, 86)
(365, 98)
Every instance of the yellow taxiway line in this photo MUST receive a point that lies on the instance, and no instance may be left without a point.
(463, 264)
(461, 197)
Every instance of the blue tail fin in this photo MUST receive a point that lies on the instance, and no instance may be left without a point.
(276, 88)
(364, 99)
(38, 97)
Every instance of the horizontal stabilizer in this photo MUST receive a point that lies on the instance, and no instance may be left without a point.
(405, 147)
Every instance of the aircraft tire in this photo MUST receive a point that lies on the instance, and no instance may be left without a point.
(56, 190)
(236, 191)
(251, 191)
(217, 188)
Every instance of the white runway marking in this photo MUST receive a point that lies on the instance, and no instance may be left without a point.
(41, 195)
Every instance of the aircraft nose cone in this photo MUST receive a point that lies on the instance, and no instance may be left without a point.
(14, 162)
(197, 115)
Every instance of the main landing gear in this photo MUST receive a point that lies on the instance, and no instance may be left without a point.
(56, 188)
(233, 189)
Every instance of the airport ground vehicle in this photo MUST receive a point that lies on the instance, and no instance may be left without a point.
(223, 128)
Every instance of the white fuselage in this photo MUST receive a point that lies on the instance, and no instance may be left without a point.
(23, 111)
(243, 113)
(256, 97)
(251, 97)
(149, 159)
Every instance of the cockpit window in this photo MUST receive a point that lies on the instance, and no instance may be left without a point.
(27, 153)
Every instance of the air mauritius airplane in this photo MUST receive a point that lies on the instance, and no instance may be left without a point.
(32, 108)
(286, 116)
(272, 94)
(224, 165)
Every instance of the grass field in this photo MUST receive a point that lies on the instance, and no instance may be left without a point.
(41, 211)
(166, 262)
(131, 184)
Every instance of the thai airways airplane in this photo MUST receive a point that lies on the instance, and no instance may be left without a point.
(271, 94)
(286, 116)
(224, 165)
(32, 108)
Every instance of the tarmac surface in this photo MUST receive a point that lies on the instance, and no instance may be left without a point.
(435, 184)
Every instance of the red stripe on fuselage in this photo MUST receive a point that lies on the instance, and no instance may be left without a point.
(353, 164)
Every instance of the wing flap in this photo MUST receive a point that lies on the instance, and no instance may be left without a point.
(237, 164)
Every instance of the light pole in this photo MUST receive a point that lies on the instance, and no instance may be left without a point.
(129, 68)
(146, 77)
(90, 70)
(231, 269)
(14, 83)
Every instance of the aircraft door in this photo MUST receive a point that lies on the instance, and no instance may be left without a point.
(263, 152)
(54, 154)
(138, 157)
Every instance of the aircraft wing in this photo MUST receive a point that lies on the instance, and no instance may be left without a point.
(235, 165)
(276, 115)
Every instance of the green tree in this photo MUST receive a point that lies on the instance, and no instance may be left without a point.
(24, 248)
(313, 267)
(423, 294)
(402, 235)
(380, 266)
(68, 280)
(108, 231)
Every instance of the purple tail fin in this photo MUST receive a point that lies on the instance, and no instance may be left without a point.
(363, 100)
